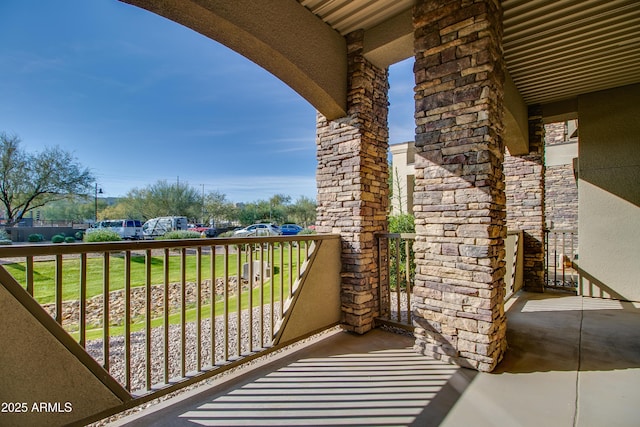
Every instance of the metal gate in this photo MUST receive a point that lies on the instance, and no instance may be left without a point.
(396, 278)
(561, 255)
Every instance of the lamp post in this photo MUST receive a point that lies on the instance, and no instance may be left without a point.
(98, 191)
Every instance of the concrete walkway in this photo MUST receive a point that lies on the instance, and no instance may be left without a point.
(572, 361)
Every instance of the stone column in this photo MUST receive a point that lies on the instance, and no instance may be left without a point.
(459, 200)
(352, 184)
(525, 200)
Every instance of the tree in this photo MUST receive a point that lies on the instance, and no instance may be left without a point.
(219, 209)
(163, 199)
(76, 209)
(303, 211)
(278, 209)
(30, 181)
(255, 212)
(117, 210)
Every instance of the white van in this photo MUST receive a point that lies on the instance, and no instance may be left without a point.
(126, 228)
(159, 226)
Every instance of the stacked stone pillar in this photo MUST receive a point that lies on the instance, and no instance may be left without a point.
(459, 200)
(525, 200)
(352, 184)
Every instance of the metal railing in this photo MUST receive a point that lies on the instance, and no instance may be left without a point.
(561, 251)
(157, 313)
(396, 278)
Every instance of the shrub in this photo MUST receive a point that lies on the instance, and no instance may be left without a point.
(4, 238)
(179, 234)
(402, 224)
(79, 235)
(102, 236)
(58, 238)
(226, 234)
(33, 238)
(69, 239)
(307, 231)
(397, 274)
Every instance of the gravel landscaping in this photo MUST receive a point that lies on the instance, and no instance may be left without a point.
(138, 347)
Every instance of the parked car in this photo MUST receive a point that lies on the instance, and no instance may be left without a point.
(290, 229)
(259, 230)
(208, 231)
(161, 225)
(126, 228)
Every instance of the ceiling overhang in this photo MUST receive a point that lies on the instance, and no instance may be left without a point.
(554, 50)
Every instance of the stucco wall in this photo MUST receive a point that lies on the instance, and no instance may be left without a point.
(403, 171)
(316, 303)
(609, 193)
(51, 386)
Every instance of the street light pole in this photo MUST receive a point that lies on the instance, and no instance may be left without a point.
(98, 191)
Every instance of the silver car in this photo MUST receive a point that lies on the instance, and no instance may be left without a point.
(258, 230)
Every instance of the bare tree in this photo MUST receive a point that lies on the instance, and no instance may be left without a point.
(30, 181)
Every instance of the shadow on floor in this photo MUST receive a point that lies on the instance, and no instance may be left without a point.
(370, 380)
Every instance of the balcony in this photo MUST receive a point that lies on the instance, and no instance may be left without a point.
(562, 369)
(303, 369)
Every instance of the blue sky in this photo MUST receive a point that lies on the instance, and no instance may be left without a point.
(137, 98)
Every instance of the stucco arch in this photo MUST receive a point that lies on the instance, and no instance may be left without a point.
(282, 37)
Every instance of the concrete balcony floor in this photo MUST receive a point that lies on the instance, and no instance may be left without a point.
(572, 361)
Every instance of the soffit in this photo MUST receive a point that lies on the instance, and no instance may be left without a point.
(346, 16)
(554, 49)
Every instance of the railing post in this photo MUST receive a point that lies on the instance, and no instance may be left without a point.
(105, 309)
(166, 314)
(82, 318)
(212, 318)
(127, 320)
(148, 302)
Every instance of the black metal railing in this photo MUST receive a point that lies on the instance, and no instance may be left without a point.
(396, 278)
(561, 254)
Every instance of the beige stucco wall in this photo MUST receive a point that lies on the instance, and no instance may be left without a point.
(609, 193)
(403, 171)
(560, 154)
(316, 303)
(516, 119)
(36, 371)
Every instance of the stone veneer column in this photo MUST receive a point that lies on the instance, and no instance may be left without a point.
(459, 201)
(352, 184)
(525, 200)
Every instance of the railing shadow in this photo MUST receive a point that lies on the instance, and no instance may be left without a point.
(589, 285)
(376, 379)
